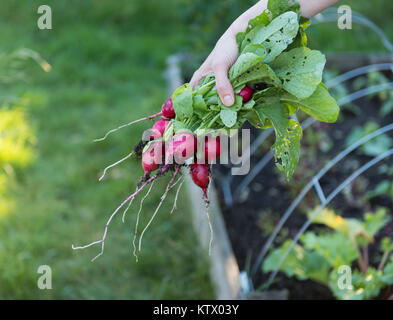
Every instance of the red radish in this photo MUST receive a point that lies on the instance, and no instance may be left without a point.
(159, 128)
(201, 176)
(246, 93)
(167, 109)
(212, 148)
(152, 157)
(181, 147)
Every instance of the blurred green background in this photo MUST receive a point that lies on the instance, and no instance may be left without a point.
(107, 61)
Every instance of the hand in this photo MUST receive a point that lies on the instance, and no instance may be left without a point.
(226, 52)
(219, 62)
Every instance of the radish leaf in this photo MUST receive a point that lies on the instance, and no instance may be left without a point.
(287, 148)
(300, 70)
(259, 72)
(199, 105)
(319, 105)
(276, 112)
(276, 36)
(228, 117)
(277, 7)
(182, 102)
(262, 19)
(245, 62)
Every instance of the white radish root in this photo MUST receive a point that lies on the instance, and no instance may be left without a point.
(123, 218)
(177, 195)
(128, 124)
(132, 196)
(169, 186)
(115, 164)
(137, 220)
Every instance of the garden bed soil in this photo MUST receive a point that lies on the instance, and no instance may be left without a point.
(268, 196)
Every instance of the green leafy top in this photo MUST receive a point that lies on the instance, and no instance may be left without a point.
(272, 52)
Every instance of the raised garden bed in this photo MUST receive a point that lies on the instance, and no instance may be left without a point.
(224, 270)
(250, 220)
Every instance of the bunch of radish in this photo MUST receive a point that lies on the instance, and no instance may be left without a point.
(159, 157)
(274, 77)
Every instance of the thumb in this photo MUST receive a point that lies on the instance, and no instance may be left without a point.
(224, 87)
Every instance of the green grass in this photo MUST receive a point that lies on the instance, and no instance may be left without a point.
(107, 62)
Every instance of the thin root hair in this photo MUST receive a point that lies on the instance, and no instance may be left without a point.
(132, 196)
(177, 195)
(137, 220)
(126, 125)
(115, 164)
(123, 218)
(168, 187)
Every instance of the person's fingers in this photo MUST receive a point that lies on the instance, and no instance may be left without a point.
(223, 85)
(196, 78)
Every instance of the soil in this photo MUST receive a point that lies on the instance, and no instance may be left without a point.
(250, 220)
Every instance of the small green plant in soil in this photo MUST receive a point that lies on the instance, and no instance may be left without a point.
(386, 169)
(375, 78)
(321, 255)
(373, 148)
(384, 188)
